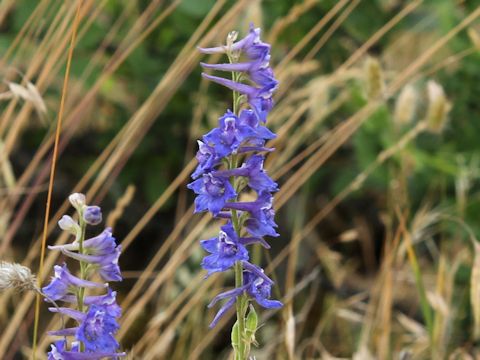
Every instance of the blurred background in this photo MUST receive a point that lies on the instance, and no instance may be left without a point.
(377, 157)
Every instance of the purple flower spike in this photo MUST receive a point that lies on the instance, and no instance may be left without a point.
(92, 215)
(93, 337)
(212, 193)
(239, 136)
(63, 281)
(225, 250)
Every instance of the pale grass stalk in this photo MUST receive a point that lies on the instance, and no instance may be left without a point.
(164, 316)
(354, 122)
(362, 50)
(53, 59)
(120, 207)
(310, 35)
(290, 18)
(289, 328)
(160, 347)
(440, 320)
(180, 255)
(159, 255)
(331, 30)
(452, 59)
(37, 58)
(281, 166)
(46, 145)
(23, 33)
(354, 185)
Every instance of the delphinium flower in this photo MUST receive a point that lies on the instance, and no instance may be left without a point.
(95, 316)
(231, 162)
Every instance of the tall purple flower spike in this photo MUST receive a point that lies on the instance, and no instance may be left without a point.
(239, 136)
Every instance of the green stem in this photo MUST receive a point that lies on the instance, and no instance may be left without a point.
(83, 270)
(241, 352)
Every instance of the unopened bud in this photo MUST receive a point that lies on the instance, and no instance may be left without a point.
(438, 107)
(92, 215)
(78, 201)
(231, 38)
(68, 224)
(251, 323)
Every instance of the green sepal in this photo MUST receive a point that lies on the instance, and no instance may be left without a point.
(235, 337)
(251, 324)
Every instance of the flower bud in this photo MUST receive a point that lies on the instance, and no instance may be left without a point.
(77, 200)
(68, 224)
(251, 324)
(92, 215)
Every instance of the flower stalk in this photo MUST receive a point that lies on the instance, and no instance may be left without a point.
(231, 159)
(96, 315)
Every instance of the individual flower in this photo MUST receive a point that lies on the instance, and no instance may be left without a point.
(212, 193)
(107, 264)
(251, 45)
(63, 282)
(225, 250)
(92, 215)
(96, 328)
(260, 290)
(258, 179)
(262, 133)
(258, 71)
(261, 221)
(259, 98)
(256, 284)
(229, 134)
(102, 244)
(207, 159)
(108, 300)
